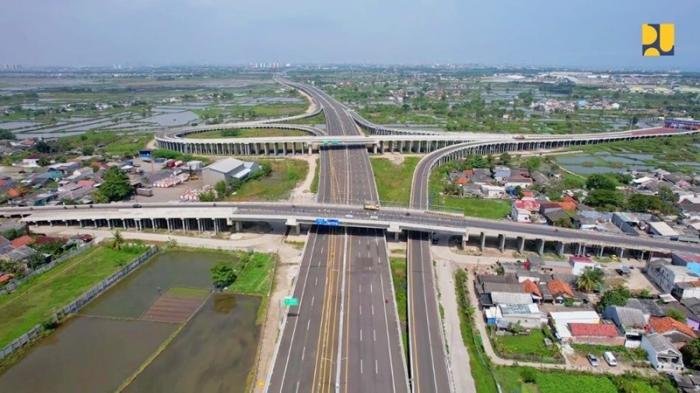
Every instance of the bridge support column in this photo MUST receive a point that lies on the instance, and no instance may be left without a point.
(501, 242)
(600, 251)
(375, 149)
(521, 244)
(579, 248)
(310, 150)
(216, 225)
(124, 223)
(81, 223)
(465, 240)
(560, 249)
(482, 241)
(540, 248)
(167, 223)
(621, 253)
(199, 225)
(109, 224)
(237, 226)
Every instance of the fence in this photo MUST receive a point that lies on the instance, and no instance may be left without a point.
(12, 286)
(37, 331)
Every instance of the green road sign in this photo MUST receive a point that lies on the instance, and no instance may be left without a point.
(290, 301)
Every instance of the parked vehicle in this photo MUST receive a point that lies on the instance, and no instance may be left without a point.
(610, 358)
(592, 359)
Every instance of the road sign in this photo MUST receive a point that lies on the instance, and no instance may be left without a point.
(290, 301)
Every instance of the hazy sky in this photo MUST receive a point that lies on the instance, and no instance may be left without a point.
(586, 33)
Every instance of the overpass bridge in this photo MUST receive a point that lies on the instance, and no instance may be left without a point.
(408, 143)
(221, 217)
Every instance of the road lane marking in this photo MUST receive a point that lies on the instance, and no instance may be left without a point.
(360, 334)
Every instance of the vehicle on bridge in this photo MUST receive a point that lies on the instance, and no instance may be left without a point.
(369, 205)
(330, 222)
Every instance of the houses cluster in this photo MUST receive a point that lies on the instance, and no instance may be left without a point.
(538, 294)
(26, 253)
(500, 182)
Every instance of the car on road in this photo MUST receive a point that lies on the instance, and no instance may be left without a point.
(136, 205)
(348, 216)
(373, 217)
(592, 359)
(610, 358)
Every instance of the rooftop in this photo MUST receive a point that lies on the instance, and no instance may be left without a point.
(668, 324)
(593, 329)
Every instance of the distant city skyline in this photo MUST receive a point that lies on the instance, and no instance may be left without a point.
(546, 33)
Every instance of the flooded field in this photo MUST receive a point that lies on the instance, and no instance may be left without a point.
(117, 334)
(195, 362)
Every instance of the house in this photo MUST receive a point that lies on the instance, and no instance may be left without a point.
(560, 321)
(227, 169)
(691, 306)
(523, 208)
(560, 290)
(648, 307)
(24, 240)
(491, 191)
(677, 332)
(661, 353)
(18, 254)
(510, 298)
(579, 264)
(682, 259)
(595, 334)
(533, 289)
(687, 383)
(556, 215)
(501, 173)
(665, 276)
(685, 290)
(518, 179)
(5, 245)
(526, 315)
(629, 320)
(661, 229)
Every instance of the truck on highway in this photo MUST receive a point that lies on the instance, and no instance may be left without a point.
(330, 222)
(369, 205)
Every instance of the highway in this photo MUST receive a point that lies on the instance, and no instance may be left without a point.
(344, 336)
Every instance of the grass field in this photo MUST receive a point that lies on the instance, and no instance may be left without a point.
(313, 120)
(286, 174)
(36, 300)
(247, 133)
(526, 347)
(398, 275)
(473, 207)
(394, 181)
(256, 277)
(314, 183)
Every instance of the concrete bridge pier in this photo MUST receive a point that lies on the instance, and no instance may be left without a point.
(237, 226)
(540, 248)
(167, 223)
(501, 242)
(621, 253)
(482, 241)
(521, 244)
(465, 239)
(293, 225)
(600, 251)
(216, 225)
(560, 249)
(199, 225)
(396, 230)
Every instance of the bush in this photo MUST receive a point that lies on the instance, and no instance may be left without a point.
(528, 375)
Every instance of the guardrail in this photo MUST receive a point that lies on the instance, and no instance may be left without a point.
(38, 329)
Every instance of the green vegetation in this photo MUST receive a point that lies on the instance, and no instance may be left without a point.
(316, 119)
(256, 274)
(394, 180)
(529, 346)
(223, 274)
(399, 277)
(478, 361)
(6, 134)
(36, 300)
(115, 186)
(314, 183)
(474, 207)
(590, 280)
(616, 296)
(247, 133)
(216, 114)
(691, 354)
(284, 176)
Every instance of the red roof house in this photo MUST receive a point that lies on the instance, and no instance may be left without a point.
(532, 288)
(678, 332)
(23, 240)
(560, 290)
(595, 334)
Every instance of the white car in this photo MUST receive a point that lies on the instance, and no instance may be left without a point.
(348, 216)
(373, 217)
(610, 358)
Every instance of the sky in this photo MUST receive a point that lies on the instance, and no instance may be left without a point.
(602, 34)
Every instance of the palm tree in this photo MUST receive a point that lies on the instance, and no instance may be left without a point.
(590, 279)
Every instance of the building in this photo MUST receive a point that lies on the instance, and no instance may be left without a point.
(661, 353)
(677, 332)
(560, 290)
(686, 290)
(580, 263)
(648, 307)
(227, 170)
(666, 276)
(630, 321)
(522, 209)
(526, 315)
(560, 321)
(595, 334)
(501, 173)
(490, 191)
(661, 229)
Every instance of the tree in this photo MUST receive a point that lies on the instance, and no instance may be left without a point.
(691, 354)
(115, 185)
(590, 280)
(6, 134)
(601, 182)
(676, 314)
(118, 240)
(617, 296)
(666, 194)
(207, 196)
(504, 158)
(519, 192)
(607, 199)
(563, 222)
(533, 163)
(223, 274)
(43, 161)
(221, 189)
